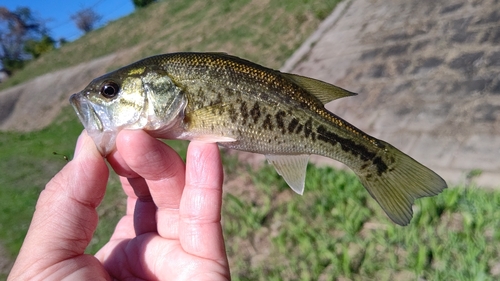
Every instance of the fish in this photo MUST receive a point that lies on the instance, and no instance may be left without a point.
(238, 104)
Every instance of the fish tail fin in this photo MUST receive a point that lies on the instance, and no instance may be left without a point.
(395, 180)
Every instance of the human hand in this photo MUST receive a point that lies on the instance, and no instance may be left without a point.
(171, 231)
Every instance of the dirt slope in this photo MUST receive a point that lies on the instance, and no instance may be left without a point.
(36, 103)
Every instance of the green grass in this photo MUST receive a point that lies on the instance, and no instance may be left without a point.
(337, 231)
(266, 32)
(27, 162)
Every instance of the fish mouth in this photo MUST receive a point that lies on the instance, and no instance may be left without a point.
(96, 122)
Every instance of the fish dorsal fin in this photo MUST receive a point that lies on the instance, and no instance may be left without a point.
(292, 168)
(323, 91)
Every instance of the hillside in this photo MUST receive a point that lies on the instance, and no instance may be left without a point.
(263, 31)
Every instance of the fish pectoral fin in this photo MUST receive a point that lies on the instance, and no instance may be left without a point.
(292, 168)
(206, 114)
(323, 91)
(208, 117)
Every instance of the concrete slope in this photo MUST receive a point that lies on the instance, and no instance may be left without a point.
(428, 77)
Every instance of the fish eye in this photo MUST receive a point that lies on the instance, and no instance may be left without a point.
(110, 90)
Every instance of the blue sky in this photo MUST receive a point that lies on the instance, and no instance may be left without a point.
(57, 13)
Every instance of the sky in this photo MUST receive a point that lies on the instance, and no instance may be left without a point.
(57, 13)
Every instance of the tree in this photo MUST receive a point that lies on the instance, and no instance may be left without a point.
(142, 3)
(86, 19)
(38, 47)
(62, 41)
(16, 28)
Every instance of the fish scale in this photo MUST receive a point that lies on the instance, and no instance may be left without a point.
(215, 97)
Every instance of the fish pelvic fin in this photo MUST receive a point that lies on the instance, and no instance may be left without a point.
(323, 91)
(395, 180)
(292, 168)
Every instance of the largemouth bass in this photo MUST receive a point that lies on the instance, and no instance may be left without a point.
(215, 97)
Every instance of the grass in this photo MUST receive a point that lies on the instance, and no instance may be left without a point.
(27, 162)
(336, 231)
(263, 31)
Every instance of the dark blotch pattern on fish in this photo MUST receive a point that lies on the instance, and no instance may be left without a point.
(279, 120)
(292, 125)
(299, 129)
(233, 114)
(255, 112)
(308, 130)
(268, 124)
(353, 148)
(244, 112)
(381, 166)
(218, 100)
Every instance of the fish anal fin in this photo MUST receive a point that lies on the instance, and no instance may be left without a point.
(292, 168)
(396, 184)
(323, 91)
